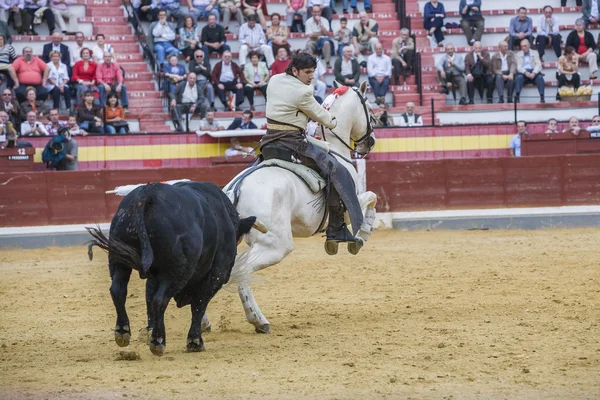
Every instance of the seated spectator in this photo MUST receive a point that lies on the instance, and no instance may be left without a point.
(231, 8)
(478, 67)
(317, 30)
(84, 75)
(403, 55)
(33, 127)
(343, 36)
(563, 3)
(255, 8)
(573, 127)
(346, 69)
(143, 9)
(60, 9)
(515, 142)
(548, 33)
(583, 42)
(552, 125)
(102, 47)
(114, 116)
(296, 9)
(529, 70)
(110, 78)
(228, 76)
(433, 20)
(257, 77)
(451, 68)
(201, 67)
(591, 12)
(172, 8)
(12, 10)
(58, 81)
(75, 50)
(277, 34)
(381, 117)
(161, 35)
(31, 72)
(281, 63)
(188, 100)
(410, 118)
(73, 127)
(236, 149)
(31, 104)
(354, 5)
(213, 38)
(568, 70)
(210, 123)
(69, 162)
(471, 20)
(11, 107)
(201, 9)
(188, 38)
(174, 73)
(320, 84)
(324, 9)
(243, 123)
(252, 38)
(31, 7)
(364, 36)
(7, 129)
(379, 68)
(4, 30)
(55, 123)
(7, 56)
(89, 116)
(595, 127)
(57, 45)
(521, 27)
(504, 67)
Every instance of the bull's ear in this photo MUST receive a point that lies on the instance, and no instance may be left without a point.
(363, 88)
(336, 84)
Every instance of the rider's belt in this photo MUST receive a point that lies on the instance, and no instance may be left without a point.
(281, 127)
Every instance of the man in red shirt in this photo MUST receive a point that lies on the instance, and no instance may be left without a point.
(31, 71)
(281, 63)
(109, 78)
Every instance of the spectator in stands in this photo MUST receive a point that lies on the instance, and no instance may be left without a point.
(472, 21)
(379, 68)
(89, 117)
(320, 84)
(201, 67)
(281, 63)
(12, 10)
(591, 12)
(343, 36)
(451, 68)
(228, 76)
(142, 9)
(257, 77)
(55, 123)
(31, 104)
(69, 162)
(252, 38)
(210, 124)
(114, 116)
(256, 8)
(381, 117)
(110, 78)
(7, 56)
(515, 142)
(573, 127)
(31, 7)
(346, 69)
(236, 149)
(201, 9)
(583, 42)
(529, 70)
(324, 9)
(403, 55)
(295, 8)
(84, 74)
(595, 127)
(317, 30)
(100, 48)
(161, 36)
(11, 107)
(31, 71)
(75, 50)
(188, 38)
(478, 67)
(353, 4)
(231, 8)
(173, 9)
(504, 67)
(174, 73)
(548, 31)
(521, 27)
(4, 30)
(58, 81)
(364, 36)
(568, 70)
(243, 123)
(563, 3)
(33, 127)
(213, 38)
(7, 129)
(60, 9)
(409, 118)
(551, 126)
(56, 45)
(433, 20)
(73, 127)
(277, 34)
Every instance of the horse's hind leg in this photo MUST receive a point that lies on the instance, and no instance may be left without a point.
(367, 200)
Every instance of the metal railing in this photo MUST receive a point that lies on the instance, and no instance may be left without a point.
(402, 14)
(418, 71)
(140, 35)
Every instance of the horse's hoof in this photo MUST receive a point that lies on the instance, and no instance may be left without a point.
(157, 349)
(354, 247)
(266, 329)
(331, 247)
(122, 335)
(206, 329)
(145, 335)
(194, 345)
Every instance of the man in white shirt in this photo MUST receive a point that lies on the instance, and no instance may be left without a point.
(252, 38)
(100, 48)
(210, 124)
(317, 29)
(548, 30)
(409, 118)
(323, 5)
(60, 9)
(187, 100)
(379, 68)
(76, 48)
(33, 127)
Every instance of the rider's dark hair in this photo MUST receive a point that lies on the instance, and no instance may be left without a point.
(301, 60)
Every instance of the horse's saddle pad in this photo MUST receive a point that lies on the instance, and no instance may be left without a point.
(313, 180)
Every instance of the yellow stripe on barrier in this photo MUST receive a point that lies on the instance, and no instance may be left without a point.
(442, 143)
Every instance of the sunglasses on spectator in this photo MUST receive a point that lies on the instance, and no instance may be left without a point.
(596, 120)
(6, 94)
(199, 56)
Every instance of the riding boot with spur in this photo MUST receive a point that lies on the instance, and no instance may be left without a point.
(337, 231)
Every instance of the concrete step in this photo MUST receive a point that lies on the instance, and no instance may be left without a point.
(134, 84)
(113, 29)
(381, 7)
(104, 12)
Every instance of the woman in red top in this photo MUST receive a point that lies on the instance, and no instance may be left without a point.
(84, 74)
(583, 43)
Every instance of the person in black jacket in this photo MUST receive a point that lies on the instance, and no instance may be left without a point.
(583, 42)
(213, 38)
(348, 79)
(200, 65)
(188, 100)
(243, 123)
(56, 44)
(89, 116)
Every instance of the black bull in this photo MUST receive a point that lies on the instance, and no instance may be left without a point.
(183, 238)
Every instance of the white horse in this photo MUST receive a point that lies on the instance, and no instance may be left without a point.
(282, 202)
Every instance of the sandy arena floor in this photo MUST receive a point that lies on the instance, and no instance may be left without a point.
(438, 315)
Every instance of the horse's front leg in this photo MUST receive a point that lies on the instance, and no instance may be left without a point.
(368, 201)
(118, 291)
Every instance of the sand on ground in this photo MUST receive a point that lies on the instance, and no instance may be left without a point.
(461, 315)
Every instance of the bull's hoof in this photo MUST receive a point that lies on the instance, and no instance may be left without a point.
(145, 335)
(331, 247)
(354, 247)
(122, 335)
(194, 345)
(266, 329)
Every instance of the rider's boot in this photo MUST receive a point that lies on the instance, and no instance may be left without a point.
(337, 231)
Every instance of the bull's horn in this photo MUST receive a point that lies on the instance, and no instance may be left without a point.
(259, 226)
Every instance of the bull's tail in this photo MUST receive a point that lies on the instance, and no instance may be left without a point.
(142, 201)
(100, 240)
(118, 251)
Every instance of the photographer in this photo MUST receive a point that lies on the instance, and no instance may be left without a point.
(69, 162)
